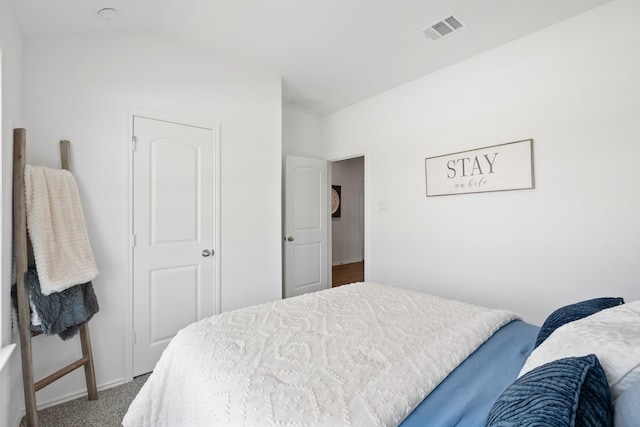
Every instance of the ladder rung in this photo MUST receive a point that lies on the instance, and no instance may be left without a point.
(61, 373)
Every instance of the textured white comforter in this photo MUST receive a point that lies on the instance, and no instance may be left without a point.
(359, 355)
(57, 229)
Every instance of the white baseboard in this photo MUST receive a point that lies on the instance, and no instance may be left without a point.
(75, 395)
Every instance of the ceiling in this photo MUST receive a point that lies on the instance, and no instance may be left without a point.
(337, 52)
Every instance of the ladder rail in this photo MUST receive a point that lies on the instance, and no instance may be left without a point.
(85, 340)
(21, 257)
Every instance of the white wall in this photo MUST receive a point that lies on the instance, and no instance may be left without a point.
(300, 134)
(11, 108)
(574, 90)
(347, 231)
(80, 88)
(11, 111)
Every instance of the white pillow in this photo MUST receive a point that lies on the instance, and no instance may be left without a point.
(612, 334)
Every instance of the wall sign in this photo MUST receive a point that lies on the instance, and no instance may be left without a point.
(496, 168)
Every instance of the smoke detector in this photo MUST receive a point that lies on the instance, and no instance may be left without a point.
(444, 27)
(108, 14)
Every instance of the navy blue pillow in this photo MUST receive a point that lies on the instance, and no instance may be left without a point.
(572, 312)
(564, 393)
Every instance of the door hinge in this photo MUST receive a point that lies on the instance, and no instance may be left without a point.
(132, 240)
(133, 338)
(134, 140)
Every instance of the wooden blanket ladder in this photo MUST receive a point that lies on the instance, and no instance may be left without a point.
(22, 260)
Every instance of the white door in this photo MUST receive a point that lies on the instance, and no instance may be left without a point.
(173, 194)
(306, 226)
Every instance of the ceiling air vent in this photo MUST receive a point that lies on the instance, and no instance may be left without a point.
(444, 26)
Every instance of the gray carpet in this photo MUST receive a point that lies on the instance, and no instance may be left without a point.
(107, 411)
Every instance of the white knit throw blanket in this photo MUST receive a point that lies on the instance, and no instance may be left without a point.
(358, 355)
(57, 229)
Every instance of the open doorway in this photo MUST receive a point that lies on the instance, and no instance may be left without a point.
(347, 221)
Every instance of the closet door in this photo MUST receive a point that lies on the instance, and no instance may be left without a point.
(173, 226)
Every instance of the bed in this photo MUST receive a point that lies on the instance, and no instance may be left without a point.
(364, 354)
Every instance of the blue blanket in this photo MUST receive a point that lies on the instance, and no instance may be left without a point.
(466, 396)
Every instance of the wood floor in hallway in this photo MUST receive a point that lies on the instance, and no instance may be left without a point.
(347, 273)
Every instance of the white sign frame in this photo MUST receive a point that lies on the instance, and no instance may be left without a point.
(499, 167)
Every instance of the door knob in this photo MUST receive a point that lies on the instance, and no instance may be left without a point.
(206, 253)
(290, 239)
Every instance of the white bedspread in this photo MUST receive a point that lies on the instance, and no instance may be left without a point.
(358, 355)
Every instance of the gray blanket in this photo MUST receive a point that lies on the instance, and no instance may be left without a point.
(62, 313)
